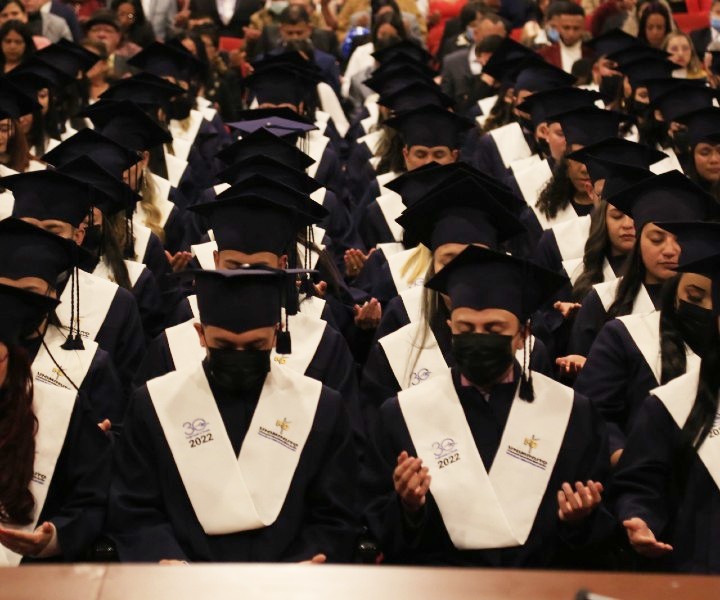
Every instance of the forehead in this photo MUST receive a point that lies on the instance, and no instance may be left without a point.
(484, 316)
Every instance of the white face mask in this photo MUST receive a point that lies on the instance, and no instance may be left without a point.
(277, 6)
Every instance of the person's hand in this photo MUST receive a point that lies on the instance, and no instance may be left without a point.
(318, 559)
(615, 457)
(251, 34)
(411, 481)
(179, 260)
(368, 315)
(643, 540)
(171, 562)
(355, 260)
(566, 308)
(105, 425)
(27, 544)
(575, 505)
(571, 364)
(320, 289)
(606, 68)
(182, 18)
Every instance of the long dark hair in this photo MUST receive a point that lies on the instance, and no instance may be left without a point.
(393, 18)
(692, 174)
(390, 152)
(18, 426)
(672, 345)
(558, 192)
(17, 147)
(500, 114)
(23, 31)
(653, 8)
(597, 247)
(111, 248)
(630, 284)
(44, 126)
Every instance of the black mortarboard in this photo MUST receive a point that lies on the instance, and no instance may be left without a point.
(549, 102)
(68, 57)
(262, 141)
(14, 102)
(272, 169)
(415, 95)
(279, 126)
(29, 251)
(429, 126)
(36, 74)
(49, 195)
(102, 16)
(116, 195)
(682, 100)
(621, 151)
(460, 211)
(166, 60)
(659, 86)
(636, 52)
(144, 89)
(641, 69)
(589, 125)
(21, 313)
(396, 75)
(703, 125)
(509, 54)
(536, 75)
(280, 84)
(407, 48)
(611, 41)
(479, 278)
(108, 154)
(617, 175)
(127, 124)
(667, 197)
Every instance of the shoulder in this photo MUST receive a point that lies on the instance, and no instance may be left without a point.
(455, 58)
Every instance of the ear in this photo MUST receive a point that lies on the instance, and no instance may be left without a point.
(283, 261)
(449, 324)
(201, 334)
(79, 235)
(455, 154)
(216, 259)
(145, 158)
(542, 131)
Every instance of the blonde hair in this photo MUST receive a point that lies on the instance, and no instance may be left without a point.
(148, 193)
(417, 264)
(695, 69)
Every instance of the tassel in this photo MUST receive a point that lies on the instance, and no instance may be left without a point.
(283, 345)
(526, 391)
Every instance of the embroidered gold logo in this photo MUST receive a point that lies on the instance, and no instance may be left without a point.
(527, 456)
(531, 443)
(284, 425)
(281, 360)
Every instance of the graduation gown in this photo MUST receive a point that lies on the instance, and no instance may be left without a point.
(425, 539)
(679, 503)
(150, 516)
(77, 497)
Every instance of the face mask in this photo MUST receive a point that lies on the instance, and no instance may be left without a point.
(277, 6)
(552, 34)
(483, 357)
(610, 85)
(179, 109)
(715, 22)
(238, 370)
(469, 34)
(641, 110)
(696, 325)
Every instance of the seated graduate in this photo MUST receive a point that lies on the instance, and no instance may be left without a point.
(667, 197)
(55, 459)
(665, 488)
(477, 465)
(34, 260)
(105, 312)
(236, 458)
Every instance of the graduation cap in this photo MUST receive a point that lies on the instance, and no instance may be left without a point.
(635, 52)
(263, 142)
(279, 84)
(22, 312)
(102, 16)
(617, 175)
(536, 75)
(619, 150)
(509, 54)
(611, 41)
(49, 195)
(29, 251)
(656, 87)
(700, 243)
(36, 74)
(397, 76)
(460, 211)
(589, 125)
(414, 95)
(281, 126)
(68, 57)
(640, 69)
(110, 155)
(406, 48)
(479, 279)
(543, 104)
(127, 124)
(14, 102)
(429, 126)
(703, 125)
(144, 89)
(667, 197)
(167, 60)
(270, 168)
(683, 99)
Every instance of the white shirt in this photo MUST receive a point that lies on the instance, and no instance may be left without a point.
(475, 66)
(569, 54)
(226, 9)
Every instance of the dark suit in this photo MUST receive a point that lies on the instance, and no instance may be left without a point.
(66, 12)
(457, 78)
(240, 18)
(552, 54)
(322, 39)
(701, 38)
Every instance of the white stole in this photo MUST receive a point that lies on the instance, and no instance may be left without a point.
(175, 168)
(189, 133)
(402, 348)
(607, 290)
(316, 148)
(204, 253)
(73, 364)
(372, 141)
(53, 408)
(571, 236)
(412, 299)
(306, 332)
(511, 143)
(484, 510)
(644, 329)
(319, 195)
(229, 493)
(391, 206)
(96, 296)
(574, 268)
(396, 262)
(134, 269)
(390, 248)
(142, 235)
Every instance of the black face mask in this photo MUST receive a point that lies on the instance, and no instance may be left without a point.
(641, 110)
(483, 357)
(610, 86)
(179, 108)
(238, 370)
(526, 124)
(696, 326)
(93, 238)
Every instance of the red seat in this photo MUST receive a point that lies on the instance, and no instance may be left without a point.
(228, 44)
(687, 22)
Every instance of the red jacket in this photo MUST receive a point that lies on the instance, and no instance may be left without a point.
(552, 54)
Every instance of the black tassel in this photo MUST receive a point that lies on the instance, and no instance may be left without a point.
(526, 391)
(283, 344)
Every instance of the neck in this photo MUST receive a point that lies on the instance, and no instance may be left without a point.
(582, 198)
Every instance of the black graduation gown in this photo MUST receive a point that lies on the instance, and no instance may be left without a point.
(375, 278)
(328, 173)
(373, 228)
(592, 316)
(583, 456)
(151, 518)
(156, 261)
(77, 497)
(175, 230)
(645, 485)
(486, 158)
(536, 233)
